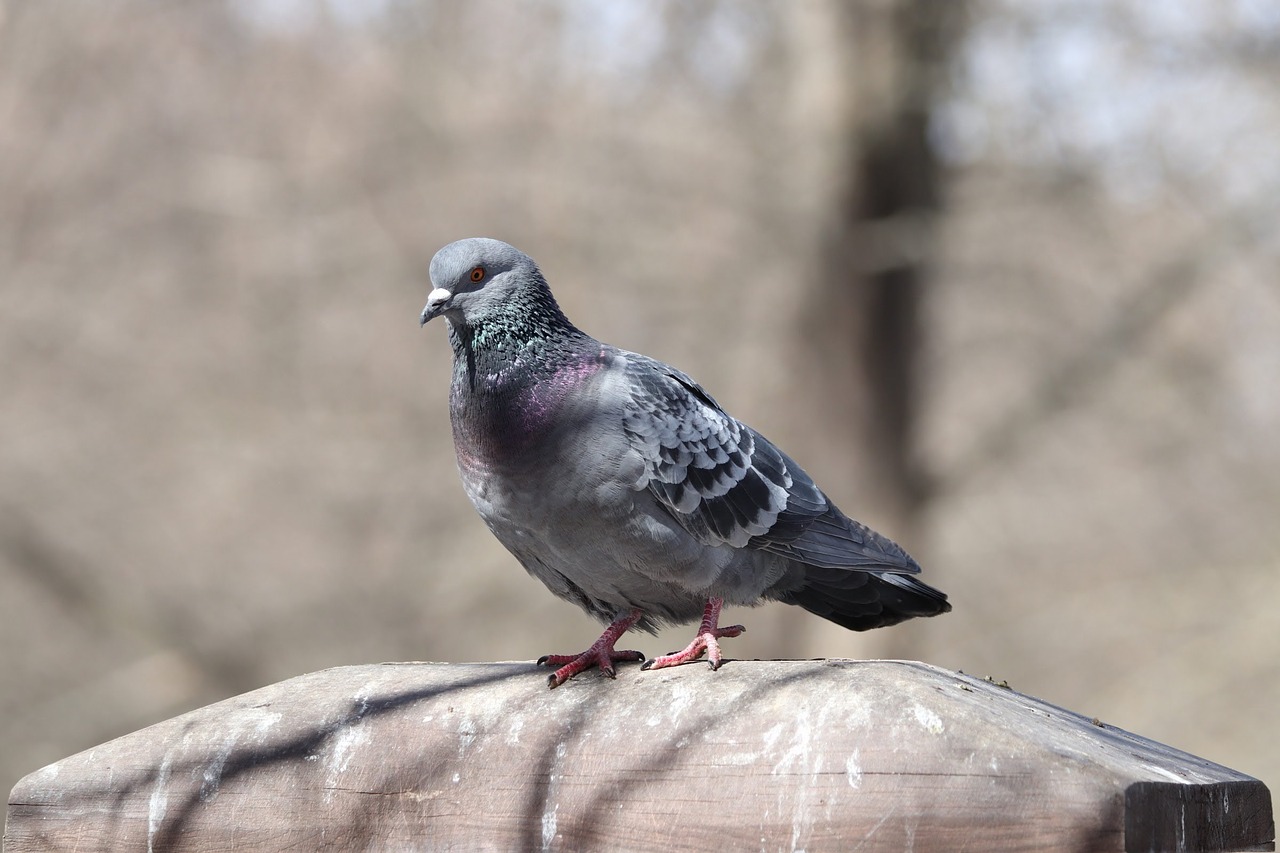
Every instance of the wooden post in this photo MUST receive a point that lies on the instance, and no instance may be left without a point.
(761, 755)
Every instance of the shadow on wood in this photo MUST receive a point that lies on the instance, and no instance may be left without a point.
(770, 755)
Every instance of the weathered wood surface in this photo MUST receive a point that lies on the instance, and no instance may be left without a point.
(779, 755)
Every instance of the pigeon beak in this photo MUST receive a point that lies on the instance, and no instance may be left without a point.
(437, 303)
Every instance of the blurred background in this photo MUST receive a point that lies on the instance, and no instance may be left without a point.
(1001, 275)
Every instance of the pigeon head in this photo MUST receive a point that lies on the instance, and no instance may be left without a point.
(478, 280)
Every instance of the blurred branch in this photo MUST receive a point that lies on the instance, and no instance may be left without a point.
(882, 235)
(1130, 329)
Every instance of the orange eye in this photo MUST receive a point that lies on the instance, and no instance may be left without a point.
(477, 273)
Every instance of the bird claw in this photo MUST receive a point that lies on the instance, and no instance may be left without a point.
(571, 665)
(602, 654)
(705, 643)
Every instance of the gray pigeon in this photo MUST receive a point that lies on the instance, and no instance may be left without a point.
(620, 483)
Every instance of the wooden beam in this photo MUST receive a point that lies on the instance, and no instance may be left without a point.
(771, 755)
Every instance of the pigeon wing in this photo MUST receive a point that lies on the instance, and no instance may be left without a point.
(728, 485)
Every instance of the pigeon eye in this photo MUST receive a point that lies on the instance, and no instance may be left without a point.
(477, 273)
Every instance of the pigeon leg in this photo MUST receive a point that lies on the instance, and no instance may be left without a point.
(705, 643)
(601, 654)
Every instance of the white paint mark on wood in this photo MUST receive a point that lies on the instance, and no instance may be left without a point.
(549, 813)
(1165, 772)
(513, 733)
(804, 762)
(739, 759)
(928, 720)
(909, 827)
(853, 770)
(466, 736)
(796, 753)
(158, 803)
(549, 828)
(681, 698)
(345, 744)
(212, 776)
(260, 722)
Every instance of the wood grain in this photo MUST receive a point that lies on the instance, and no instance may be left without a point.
(761, 755)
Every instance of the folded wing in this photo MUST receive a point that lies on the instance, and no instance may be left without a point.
(727, 484)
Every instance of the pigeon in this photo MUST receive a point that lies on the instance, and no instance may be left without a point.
(624, 487)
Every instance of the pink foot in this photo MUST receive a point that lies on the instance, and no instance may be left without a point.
(602, 654)
(703, 643)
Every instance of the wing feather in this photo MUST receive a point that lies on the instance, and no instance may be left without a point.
(728, 485)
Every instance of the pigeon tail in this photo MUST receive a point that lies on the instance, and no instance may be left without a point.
(860, 600)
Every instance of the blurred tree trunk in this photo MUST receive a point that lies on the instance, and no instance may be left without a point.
(864, 326)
